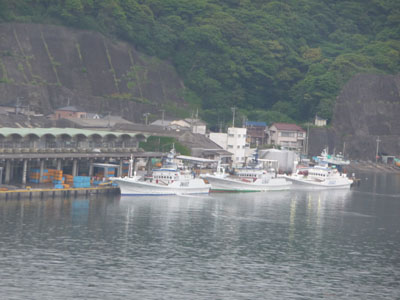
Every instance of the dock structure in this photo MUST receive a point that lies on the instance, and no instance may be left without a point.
(51, 192)
(75, 152)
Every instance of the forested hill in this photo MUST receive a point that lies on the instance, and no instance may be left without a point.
(274, 60)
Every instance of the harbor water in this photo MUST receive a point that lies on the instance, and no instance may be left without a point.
(274, 245)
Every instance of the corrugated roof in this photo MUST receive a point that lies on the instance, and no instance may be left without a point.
(255, 123)
(69, 108)
(161, 122)
(62, 131)
(287, 126)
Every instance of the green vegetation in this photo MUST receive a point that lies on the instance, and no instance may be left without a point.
(163, 144)
(274, 60)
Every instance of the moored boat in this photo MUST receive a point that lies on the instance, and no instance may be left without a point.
(319, 177)
(331, 159)
(251, 178)
(166, 180)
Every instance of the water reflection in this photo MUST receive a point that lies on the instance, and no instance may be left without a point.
(310, 245)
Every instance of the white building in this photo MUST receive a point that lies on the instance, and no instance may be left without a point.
(221, 139)
(234, 141)
(319, 121)
(195, 125)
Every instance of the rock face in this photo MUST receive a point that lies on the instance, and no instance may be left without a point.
(368, 107)
(47, 66)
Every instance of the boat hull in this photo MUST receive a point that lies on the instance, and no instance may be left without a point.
(301, 183)
(132, 187)
(226, 184)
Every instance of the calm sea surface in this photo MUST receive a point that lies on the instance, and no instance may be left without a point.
(278, 245)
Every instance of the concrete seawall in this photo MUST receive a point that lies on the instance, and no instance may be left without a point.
(50, 192)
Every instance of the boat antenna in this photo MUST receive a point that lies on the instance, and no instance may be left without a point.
(130, 170)
(173, 148)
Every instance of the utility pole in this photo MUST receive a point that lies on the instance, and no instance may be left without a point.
(308, 133)
(18, 105)
(344, 147)
(377, 149)
(162, 117)
(146, 116)
(233, 117)
(29, 114)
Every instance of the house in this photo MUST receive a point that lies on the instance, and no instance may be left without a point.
(256, 133)
(202, 146)
(194, 125)
(197, 125)
(319, 121)
(68, 112)
(220, 138)
(234, 141)
(288, 136)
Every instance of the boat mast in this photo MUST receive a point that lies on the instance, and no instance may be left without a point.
(130, 167)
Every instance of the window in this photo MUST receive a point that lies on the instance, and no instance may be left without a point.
(287, 134)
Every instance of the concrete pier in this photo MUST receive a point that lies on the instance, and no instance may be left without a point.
(17, 167)
(69, 150)
(45, 192)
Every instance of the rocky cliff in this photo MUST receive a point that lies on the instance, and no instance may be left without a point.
(47, 66)
(368, 107)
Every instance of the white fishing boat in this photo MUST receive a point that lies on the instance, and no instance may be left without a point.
(167, 180)
(334, 159)
(252, 178)
(319, 177)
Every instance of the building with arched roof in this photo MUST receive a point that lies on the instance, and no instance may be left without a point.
(67, 138)
(70, 149)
